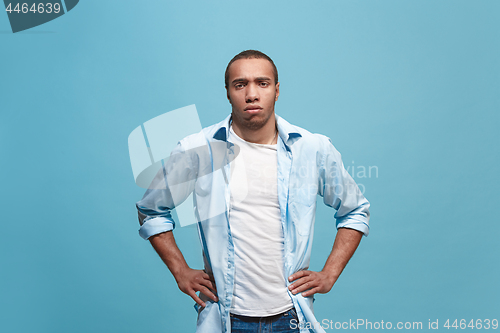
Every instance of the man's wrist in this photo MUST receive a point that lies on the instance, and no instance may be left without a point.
(179, 271)
(331, 274)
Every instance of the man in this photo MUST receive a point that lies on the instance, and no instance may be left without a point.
(255, 179)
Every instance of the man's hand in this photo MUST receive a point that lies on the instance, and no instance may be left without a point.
(192, 280)
(313, 282)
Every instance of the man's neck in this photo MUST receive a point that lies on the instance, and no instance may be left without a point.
(267, 134)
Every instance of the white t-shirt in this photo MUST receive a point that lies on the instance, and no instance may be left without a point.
(259, 282)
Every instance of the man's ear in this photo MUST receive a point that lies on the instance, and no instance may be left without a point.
(277, 92)
(228, 97)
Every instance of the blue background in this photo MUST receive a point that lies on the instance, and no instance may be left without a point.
(411, 87)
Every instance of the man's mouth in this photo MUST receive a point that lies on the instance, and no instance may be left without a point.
(253, 109)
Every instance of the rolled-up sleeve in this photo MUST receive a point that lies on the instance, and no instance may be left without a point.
(156, 225)
(173, 183)
(342, 193)
(154, 216)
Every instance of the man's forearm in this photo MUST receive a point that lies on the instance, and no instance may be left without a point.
(346, 243)
(189, 280)
(164, 244)
(309, 282)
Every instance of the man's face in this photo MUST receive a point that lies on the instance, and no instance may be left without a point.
(252, 92)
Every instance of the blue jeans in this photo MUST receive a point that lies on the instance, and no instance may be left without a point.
(280, 323)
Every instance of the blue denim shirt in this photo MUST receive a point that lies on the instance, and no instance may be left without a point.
(308, 166)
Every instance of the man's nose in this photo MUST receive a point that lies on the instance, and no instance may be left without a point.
(252, 93)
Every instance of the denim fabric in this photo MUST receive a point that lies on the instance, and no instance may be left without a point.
(281, 323)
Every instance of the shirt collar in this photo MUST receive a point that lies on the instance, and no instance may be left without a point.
(287, 131)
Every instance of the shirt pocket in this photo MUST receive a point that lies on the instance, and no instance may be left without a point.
(303, 192)
(303, 215)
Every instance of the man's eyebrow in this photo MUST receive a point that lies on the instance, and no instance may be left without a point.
(260, 78)
(239, 80)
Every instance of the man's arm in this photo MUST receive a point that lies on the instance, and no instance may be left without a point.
(189, 280)
(340, 192)
(157, 224)
(346, 243)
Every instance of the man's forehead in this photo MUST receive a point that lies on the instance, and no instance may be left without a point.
(250, 68)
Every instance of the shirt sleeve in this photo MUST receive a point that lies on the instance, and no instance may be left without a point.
(173, 183)
(341, 192)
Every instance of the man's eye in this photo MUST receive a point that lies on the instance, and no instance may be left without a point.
(264, 84)
(238, 86)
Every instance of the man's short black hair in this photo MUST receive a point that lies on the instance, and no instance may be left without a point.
(251, 54)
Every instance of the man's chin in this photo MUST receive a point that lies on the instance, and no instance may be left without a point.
(254, 122)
